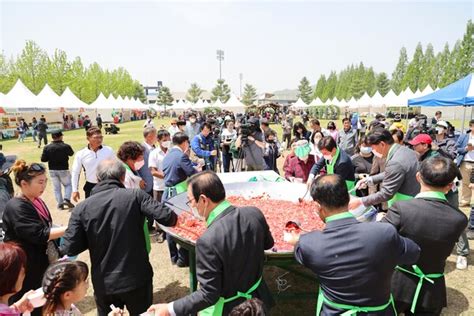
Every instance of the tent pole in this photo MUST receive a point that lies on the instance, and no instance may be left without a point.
(406, 121)
(463, 118)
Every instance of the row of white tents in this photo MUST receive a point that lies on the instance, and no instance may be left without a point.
(233, 104)
(376, 102)
(22, 99)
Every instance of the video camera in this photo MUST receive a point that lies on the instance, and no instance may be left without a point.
(246, 130)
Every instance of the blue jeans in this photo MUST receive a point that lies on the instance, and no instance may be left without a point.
(61, 177)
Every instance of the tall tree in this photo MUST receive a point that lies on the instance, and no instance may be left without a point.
(31, 67)
(466, 57)
(59, 75)
(357, 88)
(139, 91)
(305, 90)
(412, 77)
(320, 86)
(93, 82)
(370, 82)
(164, 97)
(383, 84)
(428, 69)
(7, 75)
(400, 72)
(250, 95)
(194, 92)
(77, 78)
(221, 91)
(442, 63)
(330, 87)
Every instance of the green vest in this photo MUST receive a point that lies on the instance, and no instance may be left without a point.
(330, 169)
(218, 308)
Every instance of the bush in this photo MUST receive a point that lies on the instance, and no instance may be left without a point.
(330, 112)
(212, 110)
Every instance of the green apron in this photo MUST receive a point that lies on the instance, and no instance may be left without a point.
(398, 196)
(146, 232)
(416, 270)
(351, 309)
(418, 273)
(217, 309)
(330, 169)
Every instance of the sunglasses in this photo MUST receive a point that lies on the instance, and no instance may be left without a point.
(37, 167)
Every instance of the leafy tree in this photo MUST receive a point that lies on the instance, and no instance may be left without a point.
(93, 82)
(370, 82)
(31, 67)
(164, 97)
(250, 95)
(320, 86)
(78, 73)
(412, 77)
(357, 88)
(59, 75)
(428, 69)
(194, 93)
(466, 54)
(221, 91)
(304, 90)
(330, 87)
(139, 92)
(383, 83)
(7, 76)
(400, 71)
(442, 63)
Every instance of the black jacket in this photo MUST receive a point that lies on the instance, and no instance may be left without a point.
(342, 167)
(355, 261)
(23, 225)
(57, 154)
(42, 127)
(110, 224)
(435, 226)
(230, 256)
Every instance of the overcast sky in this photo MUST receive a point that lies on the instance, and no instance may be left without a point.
(272, 43)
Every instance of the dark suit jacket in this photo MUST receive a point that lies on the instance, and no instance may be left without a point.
(435, 226)
(355, 261)
(229, 258)
(177, 167)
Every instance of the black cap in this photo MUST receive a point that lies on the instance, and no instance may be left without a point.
(56, 134)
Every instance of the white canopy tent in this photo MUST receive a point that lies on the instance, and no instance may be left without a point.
(316, 102)
(299, 104)
(364, 101)
(352, 103)
(377, 101)
(48, 99)
(70, 101)
(234, 105)
(217, 104)
(20, 97)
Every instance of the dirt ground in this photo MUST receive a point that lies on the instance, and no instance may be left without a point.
(171, 282)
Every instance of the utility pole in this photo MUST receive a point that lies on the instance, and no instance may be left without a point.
(241, 76)
(220, 58)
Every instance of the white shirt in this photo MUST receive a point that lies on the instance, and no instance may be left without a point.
(470, 154)
(149, 123)
(88, 160)
(226, 134)
(131, 181)
(155, 160)
(173, 130)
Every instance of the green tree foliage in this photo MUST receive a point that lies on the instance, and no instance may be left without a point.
(221, 91)
(400, 71)
(164, 97)
(320, 87)
(442, 65)
(35, 68)
(370, 82)
(139, 92)
(466, 54)
(250, 95)
(32, 66)
(305, 90)
(414, 70)
(330, 87)
(194, 92)
(428, 69)
(383, 83)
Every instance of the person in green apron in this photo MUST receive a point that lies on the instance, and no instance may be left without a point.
(177, 167)
(335, 161)
(354, 261)
(399, 178)
(229, 255)
(435, 225)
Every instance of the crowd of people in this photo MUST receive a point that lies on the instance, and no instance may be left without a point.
(377, 166)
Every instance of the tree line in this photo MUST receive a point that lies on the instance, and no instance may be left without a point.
(34, 67)
(425, 68)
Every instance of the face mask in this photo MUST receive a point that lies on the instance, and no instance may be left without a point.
(440, 130)
(139, 164)
(365, 150)
(166, 144)
(197, 215)
(327, 157)
(270, 141)
(377, 154)
(192, 121)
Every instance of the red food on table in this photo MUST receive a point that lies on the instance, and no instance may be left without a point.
(277, 213)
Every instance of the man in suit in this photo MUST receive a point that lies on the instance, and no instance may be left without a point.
(435, 226)
(354, 261)
(399, 178)
(177, 167)
(230, 253)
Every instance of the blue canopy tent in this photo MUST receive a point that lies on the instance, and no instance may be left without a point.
(459, 93)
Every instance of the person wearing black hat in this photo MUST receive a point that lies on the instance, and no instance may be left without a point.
(57, 156)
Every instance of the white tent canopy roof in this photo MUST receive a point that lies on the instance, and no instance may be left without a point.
(233, 103)
(316, 102)
(364, 101)
(70, 100)
(217, 104)
(48, 99)
(20, 97)
(299, 104)
(100, 103)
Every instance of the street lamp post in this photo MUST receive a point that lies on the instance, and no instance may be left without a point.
(220, 58)
(241, 76)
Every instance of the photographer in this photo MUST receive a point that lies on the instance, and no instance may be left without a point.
(252, 142)
(203, 146)
(228, 135)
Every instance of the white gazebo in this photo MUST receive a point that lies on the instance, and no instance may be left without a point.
(299, 104)
(20, 97)
(48, 99)
(234, 105)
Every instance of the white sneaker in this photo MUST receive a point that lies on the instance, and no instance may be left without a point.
(461, 263)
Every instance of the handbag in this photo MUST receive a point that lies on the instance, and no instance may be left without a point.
(52, 251)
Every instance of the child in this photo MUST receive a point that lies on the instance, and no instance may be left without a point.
(64, 284)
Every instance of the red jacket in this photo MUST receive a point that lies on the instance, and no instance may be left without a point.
(298, 168)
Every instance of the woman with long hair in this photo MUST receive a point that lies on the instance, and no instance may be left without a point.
(300, 132)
